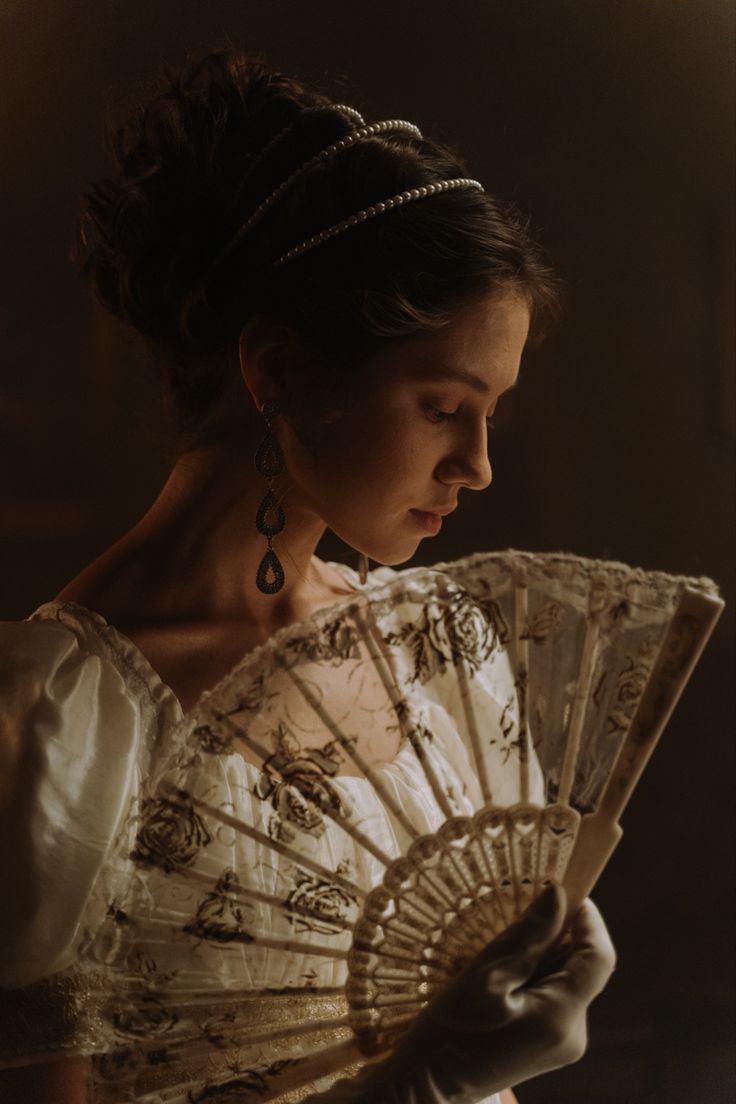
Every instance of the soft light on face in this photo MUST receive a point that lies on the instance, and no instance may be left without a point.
(420, 434)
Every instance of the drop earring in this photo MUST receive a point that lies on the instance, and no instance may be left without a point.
(270, 519)
(363, 568)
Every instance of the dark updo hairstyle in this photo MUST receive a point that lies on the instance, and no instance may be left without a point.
(194, 160)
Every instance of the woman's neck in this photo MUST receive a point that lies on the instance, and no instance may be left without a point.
(194, 554)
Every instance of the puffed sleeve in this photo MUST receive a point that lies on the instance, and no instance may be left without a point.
(70, 730)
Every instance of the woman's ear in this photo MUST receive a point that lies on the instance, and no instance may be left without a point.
(267, 352)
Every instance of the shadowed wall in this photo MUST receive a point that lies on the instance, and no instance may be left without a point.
(610, 122)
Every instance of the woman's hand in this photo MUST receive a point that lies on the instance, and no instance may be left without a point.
(518, 1010)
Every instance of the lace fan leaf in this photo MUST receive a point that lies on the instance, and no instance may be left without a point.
(367, 801)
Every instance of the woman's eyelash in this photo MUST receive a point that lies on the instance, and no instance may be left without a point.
(447, 416)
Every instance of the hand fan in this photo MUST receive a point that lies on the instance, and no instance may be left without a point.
(365, 802)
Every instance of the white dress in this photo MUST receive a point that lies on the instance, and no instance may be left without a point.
(173, 912)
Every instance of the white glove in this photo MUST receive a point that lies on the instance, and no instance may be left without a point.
(518, 1010)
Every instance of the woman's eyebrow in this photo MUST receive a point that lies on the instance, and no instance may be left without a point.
(462, 375)
(447, 372)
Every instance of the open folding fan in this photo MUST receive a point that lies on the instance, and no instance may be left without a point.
(372, 796)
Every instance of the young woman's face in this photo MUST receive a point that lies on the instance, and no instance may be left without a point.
(399, 457)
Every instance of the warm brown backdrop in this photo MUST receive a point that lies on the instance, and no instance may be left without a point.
(610, 120)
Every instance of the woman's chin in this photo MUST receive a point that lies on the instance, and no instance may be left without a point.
(393, 557)
(391, 552)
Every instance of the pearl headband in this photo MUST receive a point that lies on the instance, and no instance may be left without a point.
(377, 209)
(273, 142)
(357, 217)
(319, 158)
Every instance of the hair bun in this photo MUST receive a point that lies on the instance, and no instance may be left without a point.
(184, 158)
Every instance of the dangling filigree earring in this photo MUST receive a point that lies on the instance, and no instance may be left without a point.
(363, 568)
(269, 461)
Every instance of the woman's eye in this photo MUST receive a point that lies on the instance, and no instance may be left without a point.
(440, 416)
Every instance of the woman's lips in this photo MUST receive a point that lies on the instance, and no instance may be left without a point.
(431, 523)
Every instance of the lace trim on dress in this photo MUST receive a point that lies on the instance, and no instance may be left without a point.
(137, 670)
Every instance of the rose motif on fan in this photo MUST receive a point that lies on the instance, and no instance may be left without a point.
(335, 641)
(497, 621)
(318, 905)
(544, 624)
(296, 781)
(630, 683)
(171, 833)
(292, 810)
(460, 630)
(453, 628)
(145, 1017)
(220, 916)
(247, 1081)
(221, 1030)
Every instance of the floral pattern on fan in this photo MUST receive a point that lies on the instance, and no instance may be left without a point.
(147, 1017)
(248, 1084)
(170, 834)
(364, 802)
(458, 630)
(220, 916)
(318, 905)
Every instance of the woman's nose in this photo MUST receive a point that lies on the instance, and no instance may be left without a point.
(469, 464)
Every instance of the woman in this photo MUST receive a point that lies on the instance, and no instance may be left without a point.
(340, 303)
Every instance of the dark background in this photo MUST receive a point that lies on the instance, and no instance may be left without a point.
(608, 120)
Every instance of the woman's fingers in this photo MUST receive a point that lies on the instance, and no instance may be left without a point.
(484, 995)
(589, 960)
(519, 1009)
(527, 964)
(481, 996)
(520, 947)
